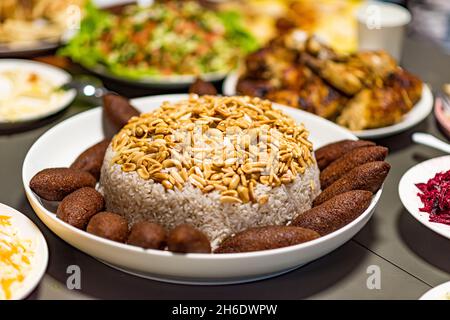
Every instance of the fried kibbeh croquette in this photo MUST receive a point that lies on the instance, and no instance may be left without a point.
(266, 238)
(334, 213)
(54, 184)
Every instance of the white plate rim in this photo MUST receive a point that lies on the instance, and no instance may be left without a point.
(68, 97)
(413, 207)
(43, 254)
(158, 80)
(38, 46)
(34, 198)
(433, 293)
(419, 112)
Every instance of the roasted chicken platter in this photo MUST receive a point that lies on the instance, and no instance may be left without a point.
(363, 90)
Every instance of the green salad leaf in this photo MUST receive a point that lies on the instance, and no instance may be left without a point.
(240, 36)
(83, 47)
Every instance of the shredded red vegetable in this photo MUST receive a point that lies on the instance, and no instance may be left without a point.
(435, 196)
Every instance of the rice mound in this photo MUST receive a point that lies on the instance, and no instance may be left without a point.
(137, 199)
(222, 164)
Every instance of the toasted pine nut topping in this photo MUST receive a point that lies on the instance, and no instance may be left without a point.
(228, 144)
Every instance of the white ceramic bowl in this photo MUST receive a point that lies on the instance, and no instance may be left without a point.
(27, 230)
(417, 114)
(63, 143)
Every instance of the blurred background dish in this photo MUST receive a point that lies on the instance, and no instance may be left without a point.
(31, 90)
(23, 254)
(167, 43)
(417, 114)
(29, 27)
(333, 21)
(365, 91)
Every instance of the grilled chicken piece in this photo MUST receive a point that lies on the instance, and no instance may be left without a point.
(267, 62)
(360, 91)
(283, 79)
(340, 75)
(343, 77)
(271, 69)
(353, 74)
(382, 106)
(295, 76)
(322, 99)
(256, 64)
(407, 84)
(374, 64)
(314, 96)
(373, 108)
(317, 49)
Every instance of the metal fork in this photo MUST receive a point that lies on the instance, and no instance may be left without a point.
(89, 89)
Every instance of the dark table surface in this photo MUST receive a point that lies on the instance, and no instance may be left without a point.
(411, 258)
